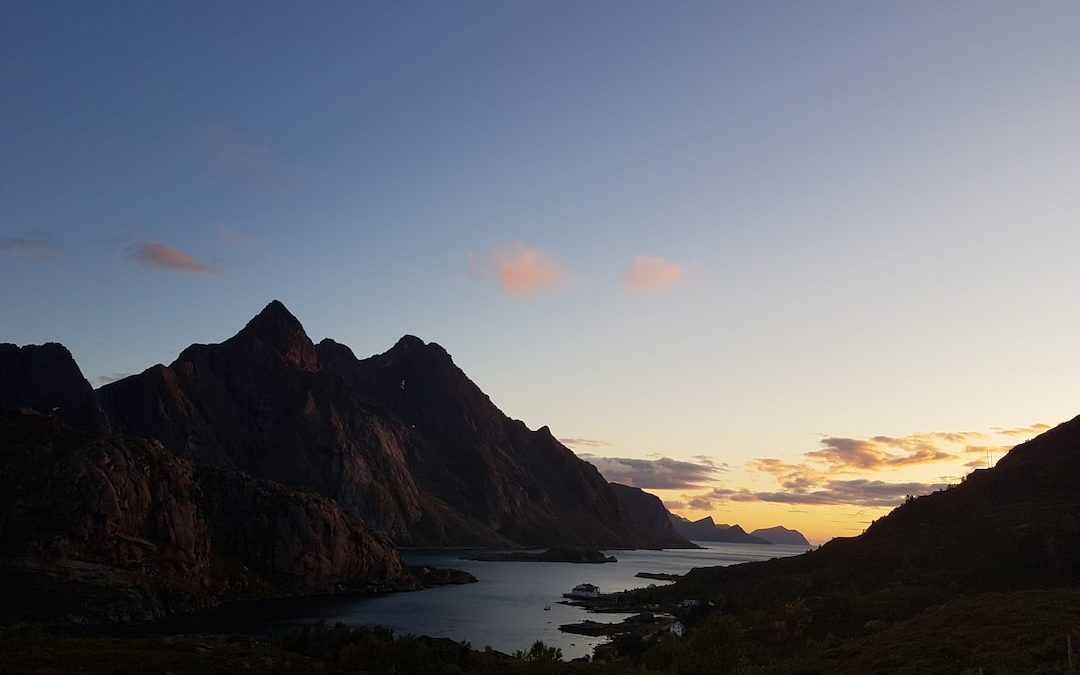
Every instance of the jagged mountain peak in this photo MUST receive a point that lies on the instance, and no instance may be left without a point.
(277, 331)
(274, 319)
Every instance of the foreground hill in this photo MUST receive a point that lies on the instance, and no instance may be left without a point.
(104, 529)
(402, 440)
(1013, 529)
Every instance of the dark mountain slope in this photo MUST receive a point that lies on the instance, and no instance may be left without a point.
(647, 513)
(259, 403)
(403, 440)
(523, 484)
(103, 528)
(46, 377)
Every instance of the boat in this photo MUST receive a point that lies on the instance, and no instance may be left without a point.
(583, 592)
(547, 608)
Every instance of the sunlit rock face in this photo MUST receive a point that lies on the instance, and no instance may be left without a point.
(99, 528)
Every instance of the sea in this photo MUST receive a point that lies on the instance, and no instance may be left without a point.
(505, 608)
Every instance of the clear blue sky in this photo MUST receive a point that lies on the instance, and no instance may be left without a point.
(855, 218)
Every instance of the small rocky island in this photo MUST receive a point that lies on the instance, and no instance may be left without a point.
(570, 554)
(660, 576)
(437, 576)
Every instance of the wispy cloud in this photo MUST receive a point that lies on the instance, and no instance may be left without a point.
(160, 255)
(829, 475)
(886, 452)
(648, 273)
(1026, 432)
(880, 451)
(657, 474)
(524, 270)
(857, 492)
(584, 442)
(40, 247)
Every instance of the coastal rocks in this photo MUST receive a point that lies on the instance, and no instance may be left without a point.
(436, 576)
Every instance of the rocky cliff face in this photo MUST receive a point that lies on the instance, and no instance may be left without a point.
(403, 440)
(647, 513)
(102, 528)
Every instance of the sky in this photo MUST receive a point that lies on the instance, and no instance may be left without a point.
(778, 262)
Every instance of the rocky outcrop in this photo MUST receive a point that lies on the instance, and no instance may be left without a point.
(781, 535)
(102, 528)
(647, 513)
(706, 529)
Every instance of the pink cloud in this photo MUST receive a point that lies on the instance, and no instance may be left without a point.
(649, 273)
(525, 270)
(160, 255)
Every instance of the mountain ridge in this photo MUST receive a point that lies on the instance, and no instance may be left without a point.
(705, 529)
(403, 440)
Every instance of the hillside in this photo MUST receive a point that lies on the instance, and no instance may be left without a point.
(1013, 529)
(104, 529)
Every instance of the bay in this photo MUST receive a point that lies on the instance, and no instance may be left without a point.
(504, 609)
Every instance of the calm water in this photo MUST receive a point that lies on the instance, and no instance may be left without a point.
(505, 608)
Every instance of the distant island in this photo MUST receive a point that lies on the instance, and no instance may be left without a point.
(706, 529)
(660, 576)
(781, 535)
(566, 554)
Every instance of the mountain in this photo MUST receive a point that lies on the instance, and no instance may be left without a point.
(98, 528)
(46, 377)
(781, 535)
(647, 513)
(707, 530)
(403, 440)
